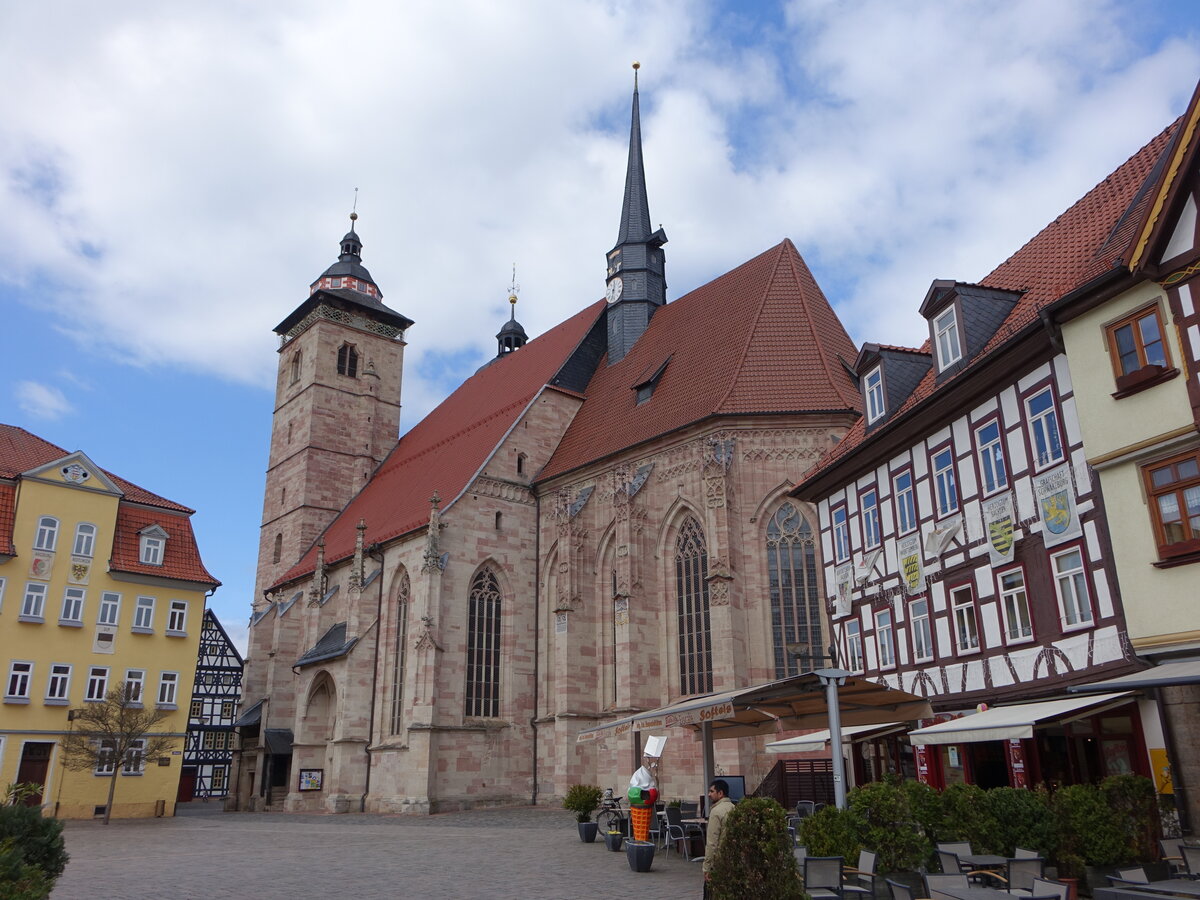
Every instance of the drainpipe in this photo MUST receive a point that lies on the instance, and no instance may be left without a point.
(375, 554)
(537, 635)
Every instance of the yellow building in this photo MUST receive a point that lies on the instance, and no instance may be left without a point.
(101, 582)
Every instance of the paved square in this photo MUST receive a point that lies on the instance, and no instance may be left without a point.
(207, 854)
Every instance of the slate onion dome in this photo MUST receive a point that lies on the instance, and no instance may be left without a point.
(348, 273)
(511, 335)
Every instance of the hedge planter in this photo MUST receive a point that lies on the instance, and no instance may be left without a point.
(587, 831)
(640, 855)
(613, 840)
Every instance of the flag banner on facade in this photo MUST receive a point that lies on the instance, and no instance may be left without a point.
(908, 548)
(843, 576)
(1055, 496)
(1000, 528)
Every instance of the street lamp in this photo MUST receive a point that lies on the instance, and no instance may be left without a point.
(833, 679)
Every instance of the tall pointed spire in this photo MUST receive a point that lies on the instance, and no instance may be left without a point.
(635, 276)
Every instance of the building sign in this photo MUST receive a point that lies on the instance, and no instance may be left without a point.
(1017, 775)
(1054, 493)
(312, 779)
(999, 528)
(621, 611)
(909, 550)
(40, 564)
(843, 575)
(81, 567)
(560, 623)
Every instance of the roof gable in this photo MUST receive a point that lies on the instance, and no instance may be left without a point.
(74, 470)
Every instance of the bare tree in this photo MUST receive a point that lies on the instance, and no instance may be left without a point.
(116, 733)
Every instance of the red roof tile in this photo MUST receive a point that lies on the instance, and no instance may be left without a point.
(760, 339)
(181, 556)
(8, 494)
(445, 450)
(1094, 236)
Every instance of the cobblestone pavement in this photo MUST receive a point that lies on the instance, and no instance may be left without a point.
(523, 852)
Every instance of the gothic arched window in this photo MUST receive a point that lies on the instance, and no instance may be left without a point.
(347, 363)
(278, 554)
(401, 613)
(296, 366)
(795, 603)
(691, 593)
(483, 646)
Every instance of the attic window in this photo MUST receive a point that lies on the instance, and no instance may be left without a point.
(873, 391)
(949, 346)
(645, 388)
(152, 542)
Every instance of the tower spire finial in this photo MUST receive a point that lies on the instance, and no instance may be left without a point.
(513, 290)
(512, 336)
(636, 65)
(354, 210)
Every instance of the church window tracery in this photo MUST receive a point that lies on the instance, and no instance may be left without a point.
(792, 574)
(347, 361)
(691, 593)
(401, 649)
(483, 646)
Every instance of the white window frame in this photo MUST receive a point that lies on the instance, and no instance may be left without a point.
(151, 549)
(134, 762)
(922, 631)
(177, 612)
(58, 685)
(46, 536)
(870, 518)
(20, 681)
(885, 628)
(106, 762)
(873, 392)
(1041, 424)
(906, 503)
(840, 517)
(1071, 586)
(1014, 607)
(966, 620)
(3, 582)
(993, 467)
(143, 624)
(74, 599)
(85, 540)
(97, 684)
(33, 604)
(946, 337)
(135, 679)
(945, 483)
(110, 608)
(854, 647)
(168, 690)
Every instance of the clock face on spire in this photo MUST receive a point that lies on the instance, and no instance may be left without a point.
(614, 289)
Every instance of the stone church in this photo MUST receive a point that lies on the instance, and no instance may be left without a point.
(597, 522)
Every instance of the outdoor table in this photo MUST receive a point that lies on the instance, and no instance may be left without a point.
(976, 893)
(1181, 887)
(983, 860)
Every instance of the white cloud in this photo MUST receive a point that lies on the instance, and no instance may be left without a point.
(177, 175)
(42, 401)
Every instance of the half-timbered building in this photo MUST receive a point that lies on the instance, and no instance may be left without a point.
(211, 715)
(967, 554)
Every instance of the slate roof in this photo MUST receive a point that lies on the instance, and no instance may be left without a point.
(21, 451)
(761, 339)
(332, 645)
(1090, 239)
(445, 450)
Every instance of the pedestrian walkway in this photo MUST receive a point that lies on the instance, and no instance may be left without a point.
(207, 854)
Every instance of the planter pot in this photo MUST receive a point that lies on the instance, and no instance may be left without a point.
(1072, 887)
(587, 831)
(640, 855)
(613, 840)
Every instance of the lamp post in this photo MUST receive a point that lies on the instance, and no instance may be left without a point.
(832, 679)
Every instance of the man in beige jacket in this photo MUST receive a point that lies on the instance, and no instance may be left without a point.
(720, 806)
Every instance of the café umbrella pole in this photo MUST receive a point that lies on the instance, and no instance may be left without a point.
(832, 679)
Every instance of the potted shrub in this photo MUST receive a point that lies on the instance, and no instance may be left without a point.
(755, 858)
(613, 840)
(583, 799)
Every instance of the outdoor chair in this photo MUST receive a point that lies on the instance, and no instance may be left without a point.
(805, 808)
(1129, 876)
(1020, 874)
(1191, 860)
(949, 861)
(959, 848)
(689, 810)
(1172, 854)
(801, 853)
(823, 877)
(900, 891)
(1022, 853)
(676, 832)
(957, 881)
(861, 878)
(1045, 887)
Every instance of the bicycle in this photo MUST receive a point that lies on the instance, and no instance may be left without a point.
(611, 816)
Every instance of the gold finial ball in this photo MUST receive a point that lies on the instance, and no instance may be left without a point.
(353, 217)
(636, 66)
(512, 298)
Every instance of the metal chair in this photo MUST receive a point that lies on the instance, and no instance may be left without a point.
(1045, 887)
(900, 891)
(949, 861)
(954, 881)
(676, 831)
(1022, 853)
(959, 848)
(862, 876)
(1129, 876)
(688, 809)
(1191, 860)
(823, 877)
(1020, 874)
(1172, 855)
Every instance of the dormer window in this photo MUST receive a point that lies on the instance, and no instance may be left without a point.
(645, 389)
(873, 391)
(152, 543)
(945, 331)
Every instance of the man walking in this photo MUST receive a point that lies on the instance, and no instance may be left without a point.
(720, 806)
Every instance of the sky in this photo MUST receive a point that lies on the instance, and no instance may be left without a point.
(174, 176)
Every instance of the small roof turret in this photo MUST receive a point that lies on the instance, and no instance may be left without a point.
(511, 335)
(348, 273)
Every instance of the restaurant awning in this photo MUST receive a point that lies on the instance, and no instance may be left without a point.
(790, 704)
(1004, 723)
(1182, 671)
(807, 743)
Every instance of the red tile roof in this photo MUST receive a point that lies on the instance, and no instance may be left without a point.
(761, 339)
(1091, 238)
(21, 451)
(445, 450)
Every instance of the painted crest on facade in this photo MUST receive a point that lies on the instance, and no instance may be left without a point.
(40, 564)
(81, 567)
(75, 473)
(1055, 496)
(1000, 526)
(911, 568)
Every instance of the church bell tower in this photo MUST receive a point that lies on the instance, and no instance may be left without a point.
(337, 407)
